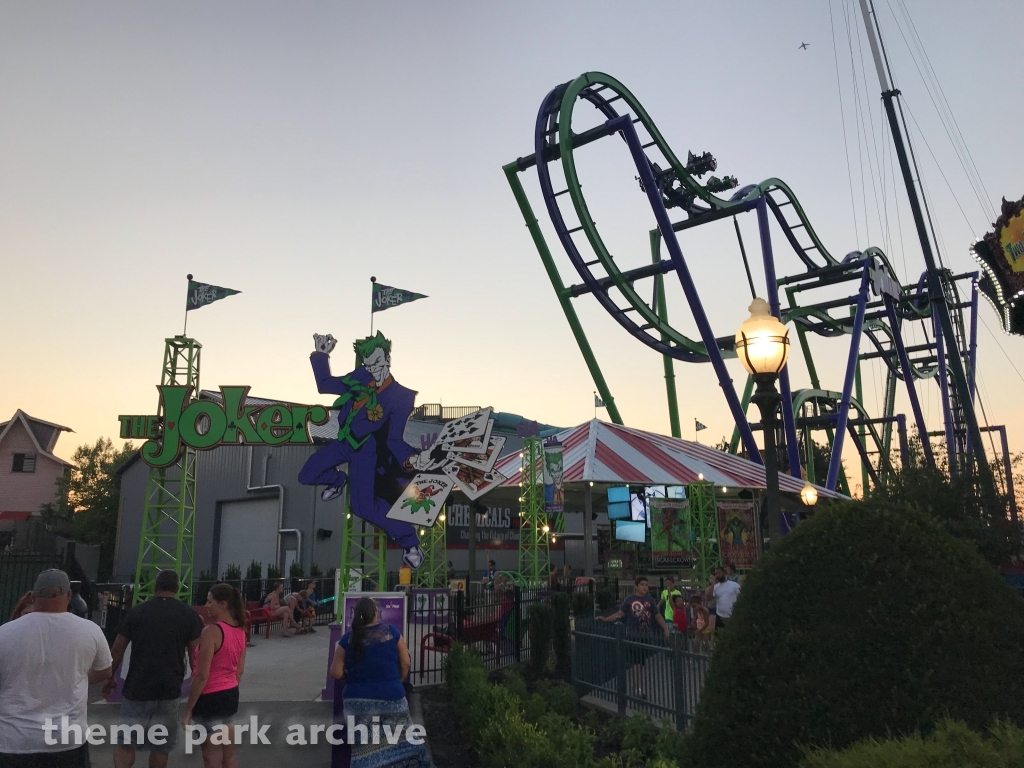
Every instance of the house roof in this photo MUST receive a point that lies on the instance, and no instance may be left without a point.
(43, 434)
(611, 453)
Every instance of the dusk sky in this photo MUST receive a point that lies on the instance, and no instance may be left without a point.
(292, 150)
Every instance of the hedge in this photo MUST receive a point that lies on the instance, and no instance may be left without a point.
(867, 621)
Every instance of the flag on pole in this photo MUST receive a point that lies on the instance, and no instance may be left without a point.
(201, 294)
(598, 402)
(699, 426)
(386, 297)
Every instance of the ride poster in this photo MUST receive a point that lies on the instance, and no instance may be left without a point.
(670, 534)
(736, 533)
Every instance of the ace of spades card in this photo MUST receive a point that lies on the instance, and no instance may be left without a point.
(469, 434)
(482, 461)
(422, 500)
(473, 482)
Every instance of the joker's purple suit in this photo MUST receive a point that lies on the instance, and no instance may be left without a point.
(370, 441)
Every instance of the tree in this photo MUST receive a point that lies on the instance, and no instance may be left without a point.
(92, 489)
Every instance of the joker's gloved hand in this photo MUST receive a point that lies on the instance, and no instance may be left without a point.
(324, 343)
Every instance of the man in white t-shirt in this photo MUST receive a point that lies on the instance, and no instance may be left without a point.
(726, 593)
(49, 657)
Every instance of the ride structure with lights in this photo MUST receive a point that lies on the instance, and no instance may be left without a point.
(874, 317)
(534, 529)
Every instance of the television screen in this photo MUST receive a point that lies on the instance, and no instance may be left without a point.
(627, 530)
(618, 503)
(637, 507)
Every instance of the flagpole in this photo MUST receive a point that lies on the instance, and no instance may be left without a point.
(372, 281)
(185, 328)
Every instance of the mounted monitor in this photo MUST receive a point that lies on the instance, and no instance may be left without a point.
(618, 503)
(627, 530)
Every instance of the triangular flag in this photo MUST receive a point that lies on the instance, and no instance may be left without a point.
(201, 294)
(386, 297)
(598, 402)
(699, 426)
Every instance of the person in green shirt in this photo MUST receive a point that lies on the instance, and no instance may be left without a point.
(665, 603)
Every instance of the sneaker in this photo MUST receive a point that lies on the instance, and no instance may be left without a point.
(330, 493)
(413, 557)
(312, 630)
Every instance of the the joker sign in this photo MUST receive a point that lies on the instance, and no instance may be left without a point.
(372, 411)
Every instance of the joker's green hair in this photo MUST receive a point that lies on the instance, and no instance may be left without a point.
(364, 347)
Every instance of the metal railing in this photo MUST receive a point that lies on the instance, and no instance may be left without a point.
(18, 571)
(631, 672)
(493, 622)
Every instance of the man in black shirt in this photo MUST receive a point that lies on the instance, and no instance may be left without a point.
(640, 610)
(161, 630)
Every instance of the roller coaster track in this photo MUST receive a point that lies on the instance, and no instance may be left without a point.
(669, 183)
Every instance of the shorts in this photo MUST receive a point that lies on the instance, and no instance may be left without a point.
(216, 708)
(149, 713)
(69, 758)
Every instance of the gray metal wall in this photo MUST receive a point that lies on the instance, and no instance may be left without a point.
(222, 475)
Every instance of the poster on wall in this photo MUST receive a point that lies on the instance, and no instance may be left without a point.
(554, 491)
(429, 606)
(670, 534)
(736, 533)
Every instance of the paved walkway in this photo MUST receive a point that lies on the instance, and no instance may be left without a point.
(281, 686)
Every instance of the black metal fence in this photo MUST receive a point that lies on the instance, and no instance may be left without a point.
(18, 571)
(494, 622)
(638, 672)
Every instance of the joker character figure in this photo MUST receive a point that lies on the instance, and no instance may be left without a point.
(372, 411)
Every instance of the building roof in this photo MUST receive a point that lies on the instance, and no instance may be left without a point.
(44, 434)
(599, 452)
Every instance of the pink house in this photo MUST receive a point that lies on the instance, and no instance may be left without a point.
(28, 468)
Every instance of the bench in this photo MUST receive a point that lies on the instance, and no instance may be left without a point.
(257, 614)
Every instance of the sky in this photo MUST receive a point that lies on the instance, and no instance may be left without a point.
(291, 151)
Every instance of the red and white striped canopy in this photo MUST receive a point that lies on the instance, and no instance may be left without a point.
(609, 453)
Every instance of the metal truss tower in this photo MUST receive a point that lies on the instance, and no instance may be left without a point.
(168, 517)
(433, 574)
(703, 522)
(534, 552)
(363, 556)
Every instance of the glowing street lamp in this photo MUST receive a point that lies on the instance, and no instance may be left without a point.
(809, 495)
(762, 345)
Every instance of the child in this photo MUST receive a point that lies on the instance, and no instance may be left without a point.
(679, 612)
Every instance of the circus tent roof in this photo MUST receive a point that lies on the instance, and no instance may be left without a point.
(611, 453)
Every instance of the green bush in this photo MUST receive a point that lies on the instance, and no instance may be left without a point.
(295, 570)
(951, 745)
(273, 572)
(583, 605)
(254, 571)
(314, 571)
(561, 634)
(232, 573)
(866, 621)
(539, 623)
(605, 598)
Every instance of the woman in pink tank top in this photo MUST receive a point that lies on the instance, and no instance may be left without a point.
(218, 664)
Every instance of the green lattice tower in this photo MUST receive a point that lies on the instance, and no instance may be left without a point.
(433, 574)
(168, 516)
(534, 551)
(703, 521)
(364, 549)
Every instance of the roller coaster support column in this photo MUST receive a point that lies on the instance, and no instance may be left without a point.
(936, 293)
(512, 174)
(908, 379)
(772, 285)
(947, 415)
(670, 371)
(901, 426)
(851, 368)
(625, 125)
(767, 398)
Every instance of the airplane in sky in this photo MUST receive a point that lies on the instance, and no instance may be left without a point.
(804, 46)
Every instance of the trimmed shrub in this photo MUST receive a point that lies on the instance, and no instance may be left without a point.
(867, 621)
(951, 745)
(561, 634)
(605, 598)
(540, 617)
(232, 573)
(583, 605)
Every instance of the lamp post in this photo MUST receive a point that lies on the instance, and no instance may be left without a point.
(762, 345)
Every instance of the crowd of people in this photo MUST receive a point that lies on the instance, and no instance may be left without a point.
(50, 656)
